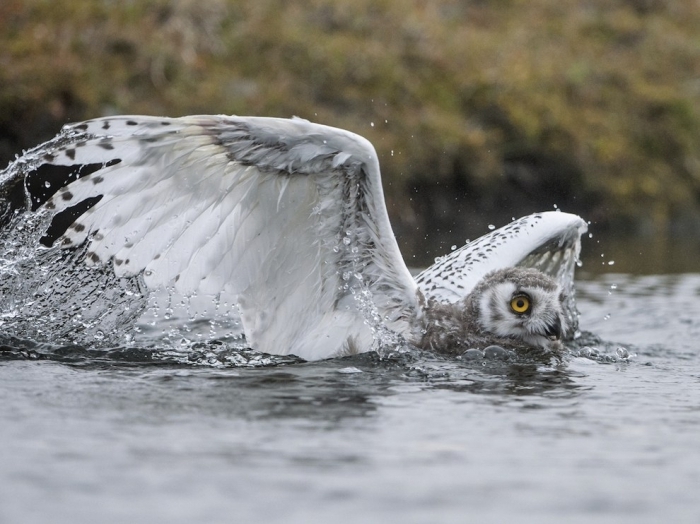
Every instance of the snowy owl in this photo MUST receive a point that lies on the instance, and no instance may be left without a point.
(285, 216)
(514, 308)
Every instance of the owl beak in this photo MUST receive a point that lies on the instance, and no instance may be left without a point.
(554, 330)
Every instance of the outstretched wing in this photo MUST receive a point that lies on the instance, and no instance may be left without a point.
(550, 242)
(285, 215)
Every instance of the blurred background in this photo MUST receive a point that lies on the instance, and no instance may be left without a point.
(480, 110)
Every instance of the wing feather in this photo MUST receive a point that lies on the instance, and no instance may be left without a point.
(287, 215)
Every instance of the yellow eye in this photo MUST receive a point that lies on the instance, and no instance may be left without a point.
(520, 304)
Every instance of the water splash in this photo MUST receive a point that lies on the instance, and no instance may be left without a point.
(51, 294)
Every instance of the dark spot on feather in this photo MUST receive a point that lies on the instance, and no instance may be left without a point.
(156, 257)
(50, 205)
(150, 139)
(67, 195)
(57, 177)
(177, 278)
(63, 220)
(105, 125)
(106, 145)
(65, 242)
(165, 123)
(48, 157)
(96, 180)
(93, 256)
(81, 143)
(131, 123)
(118, 261)
(126, 261)
(78, 227)
(82, 127)
(70, 153)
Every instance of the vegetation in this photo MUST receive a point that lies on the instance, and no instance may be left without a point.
(486, 108)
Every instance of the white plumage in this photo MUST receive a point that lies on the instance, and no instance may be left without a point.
(285, 215)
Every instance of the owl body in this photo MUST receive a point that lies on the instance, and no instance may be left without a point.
(515, 308)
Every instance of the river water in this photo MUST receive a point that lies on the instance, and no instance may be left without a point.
(609, 435)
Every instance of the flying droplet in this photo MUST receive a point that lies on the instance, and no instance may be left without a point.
(492, 227)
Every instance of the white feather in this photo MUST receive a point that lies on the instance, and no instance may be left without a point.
(256, 207)
(548, 241)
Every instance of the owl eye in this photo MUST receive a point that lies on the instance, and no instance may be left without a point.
(520, 304)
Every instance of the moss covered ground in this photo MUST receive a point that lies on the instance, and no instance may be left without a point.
(479, 109)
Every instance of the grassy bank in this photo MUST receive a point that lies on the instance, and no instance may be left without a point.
(480, 110)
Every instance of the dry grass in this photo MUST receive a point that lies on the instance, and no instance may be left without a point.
(590, 104)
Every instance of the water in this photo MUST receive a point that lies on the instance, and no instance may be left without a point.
(136, 436)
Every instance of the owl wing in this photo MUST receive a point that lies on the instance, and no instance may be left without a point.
(550, 242)
(284, 215)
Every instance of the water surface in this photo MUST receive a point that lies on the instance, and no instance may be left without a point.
(610, 436)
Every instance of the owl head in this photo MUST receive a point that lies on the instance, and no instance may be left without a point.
(522, 304)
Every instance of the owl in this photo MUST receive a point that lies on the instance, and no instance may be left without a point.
(282, 219)
(515, 308)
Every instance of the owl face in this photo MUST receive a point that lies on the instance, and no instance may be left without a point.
(523, 304)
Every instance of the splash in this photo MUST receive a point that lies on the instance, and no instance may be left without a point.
(50, 294)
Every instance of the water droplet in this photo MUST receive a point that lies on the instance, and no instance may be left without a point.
(473, 354)
(99, 335)
(453, 247)
(349, 370)
(496, 353)
(371, 124)
(613, 286)
(611, 263)
(492, 227)
(47, 184)
(622, 353)
(346, 241)
(607, 317)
